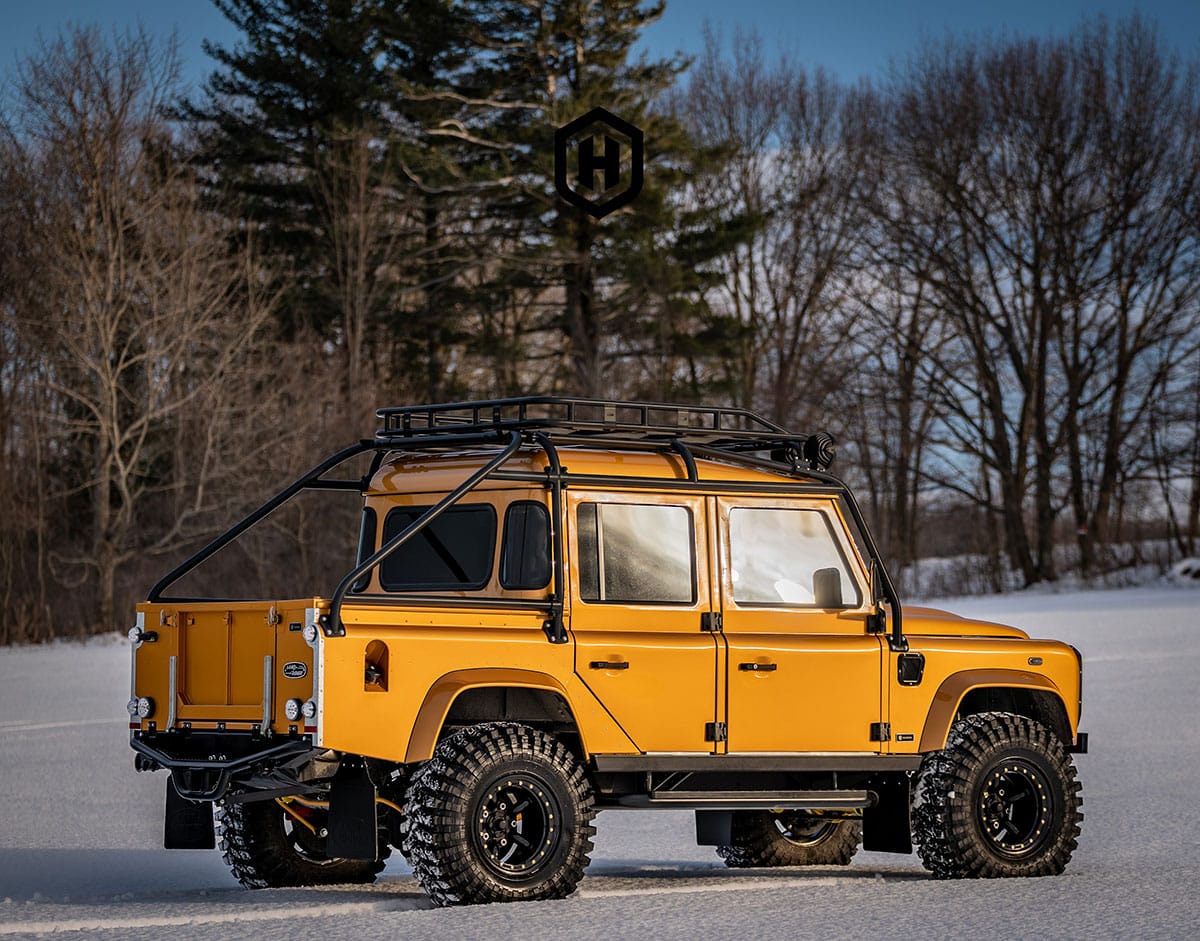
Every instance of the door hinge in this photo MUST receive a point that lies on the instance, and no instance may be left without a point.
(711, 621)
(881, 731)
(716, 732)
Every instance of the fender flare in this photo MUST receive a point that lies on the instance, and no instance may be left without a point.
(950, 693)
(441, 696)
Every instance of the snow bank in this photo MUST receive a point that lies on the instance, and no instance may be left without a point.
(1186, 572)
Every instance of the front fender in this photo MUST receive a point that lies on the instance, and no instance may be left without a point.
(949, 697)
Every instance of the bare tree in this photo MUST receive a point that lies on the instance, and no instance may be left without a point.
(368, 232)
(792, 166)
(148, 324)
(1051, 211)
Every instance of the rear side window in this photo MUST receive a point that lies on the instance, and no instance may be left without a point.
(775, 554)
(636, 553)
(525, 558)
(454, 552)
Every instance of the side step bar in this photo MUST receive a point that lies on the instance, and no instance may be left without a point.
(752, 800)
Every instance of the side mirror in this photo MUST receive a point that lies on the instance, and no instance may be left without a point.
(827, 588)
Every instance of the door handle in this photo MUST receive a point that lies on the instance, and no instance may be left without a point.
(609, 664)
(758, 667)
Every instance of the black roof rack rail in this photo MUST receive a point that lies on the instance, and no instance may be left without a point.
(728, 429)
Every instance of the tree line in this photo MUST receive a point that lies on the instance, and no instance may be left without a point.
(979, 273)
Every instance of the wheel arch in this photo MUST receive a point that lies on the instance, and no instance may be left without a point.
(973, 691)
(467, 697)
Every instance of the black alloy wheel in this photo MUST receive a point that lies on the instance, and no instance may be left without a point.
(517, 826)
(1015, 807)
(804, 829)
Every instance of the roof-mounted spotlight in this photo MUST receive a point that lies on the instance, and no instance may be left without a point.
(818, 451)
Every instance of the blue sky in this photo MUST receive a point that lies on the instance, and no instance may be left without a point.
(851, 37)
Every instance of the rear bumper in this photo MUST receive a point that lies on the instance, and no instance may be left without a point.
(203, 765)
(1080, 745)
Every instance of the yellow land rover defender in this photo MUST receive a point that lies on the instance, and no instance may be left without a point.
(562, 606)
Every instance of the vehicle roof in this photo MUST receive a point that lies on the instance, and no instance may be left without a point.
(403, 472)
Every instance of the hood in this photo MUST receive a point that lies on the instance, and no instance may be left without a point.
(919, 620)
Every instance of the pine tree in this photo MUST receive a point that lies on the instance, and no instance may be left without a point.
(621, 289)
(308, 123)
(302, 75)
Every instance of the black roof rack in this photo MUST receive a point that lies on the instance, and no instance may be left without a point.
(609, 420)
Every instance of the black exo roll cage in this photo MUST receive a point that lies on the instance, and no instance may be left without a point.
(725, 434)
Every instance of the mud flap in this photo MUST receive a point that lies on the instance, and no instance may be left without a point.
(189, 824)
(886, 826)
(353, 830)
(714, 827)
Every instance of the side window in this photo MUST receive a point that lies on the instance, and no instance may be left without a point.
(525, 558)
(366, 545)
(454, 552)
(636, 553)
(780, 556)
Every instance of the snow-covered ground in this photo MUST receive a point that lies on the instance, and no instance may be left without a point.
(80, 831)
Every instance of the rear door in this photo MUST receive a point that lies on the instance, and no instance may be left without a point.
(800, 678)
(639, 597)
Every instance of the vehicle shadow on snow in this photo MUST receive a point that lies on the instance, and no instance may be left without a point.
(85, 876)
(649, 870)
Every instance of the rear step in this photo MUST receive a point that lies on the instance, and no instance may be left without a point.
(753, 800)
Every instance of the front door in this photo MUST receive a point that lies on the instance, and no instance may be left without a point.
(801, 678)
(639, 591)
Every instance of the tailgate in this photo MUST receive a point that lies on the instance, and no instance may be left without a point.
(218, 665)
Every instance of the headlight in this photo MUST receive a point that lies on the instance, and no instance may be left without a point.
(309, 709)
(291, 709)
(145, 707)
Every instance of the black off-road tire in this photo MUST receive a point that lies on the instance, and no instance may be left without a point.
(1001, 799)
(265, 848)
(501, 813)
(764, 838)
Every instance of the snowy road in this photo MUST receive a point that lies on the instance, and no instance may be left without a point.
(79, 830)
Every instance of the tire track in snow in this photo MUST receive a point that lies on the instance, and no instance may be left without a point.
(197, 920)
(32, 725)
